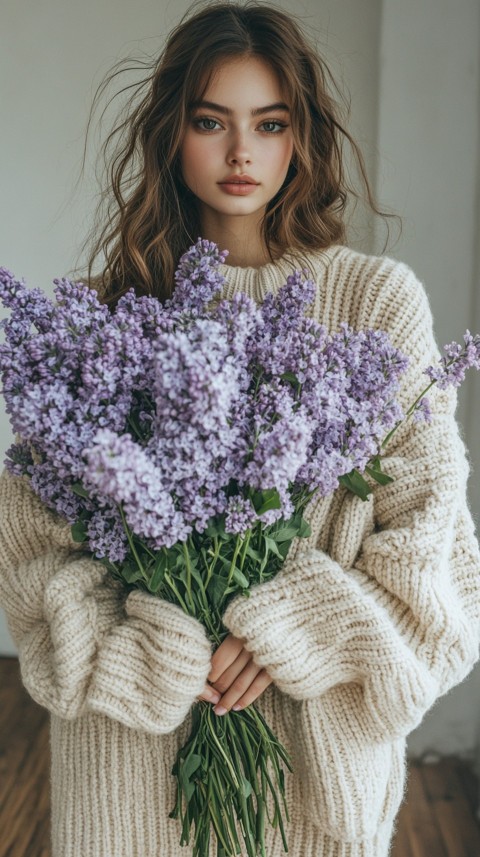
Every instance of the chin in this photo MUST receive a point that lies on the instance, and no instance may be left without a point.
(231, 208)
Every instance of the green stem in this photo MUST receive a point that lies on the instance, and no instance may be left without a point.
(244, 548)
(407, 415)
(135, 428)
(169, 581)
(221, 750)
(412, 407)
(238, 544)
(132, 543)
(151, 553)
(214, 561)
(189, 576)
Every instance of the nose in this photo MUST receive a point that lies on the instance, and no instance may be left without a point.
(239, 152)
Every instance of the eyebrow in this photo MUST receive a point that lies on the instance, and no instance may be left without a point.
(257, 111)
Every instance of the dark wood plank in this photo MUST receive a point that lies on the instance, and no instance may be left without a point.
(471, 788)
(401, 841)
(421, 828)
(446, 796)
(25, 766)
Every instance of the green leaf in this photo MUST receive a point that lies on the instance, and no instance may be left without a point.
(253, 553)
(379, 476)
(289, 376)
(216, 527)
(191, 764)
(187, 768)
(197, 575)
(246, 786)
(305, 529)
(216, 589)
(298, 523)
(356, 483)
(79, 532)
(158, 573)
(265, 500)
(284, 534)
(284, 549)
(272, 546)
(240, 578)
(78, 488)
(131, 575)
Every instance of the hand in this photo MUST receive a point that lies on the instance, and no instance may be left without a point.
(234, 680)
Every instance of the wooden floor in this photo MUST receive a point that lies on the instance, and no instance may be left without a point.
(438, 818)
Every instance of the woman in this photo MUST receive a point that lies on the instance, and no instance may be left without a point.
(370, 620)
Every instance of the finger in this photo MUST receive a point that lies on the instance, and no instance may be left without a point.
(209, 694)
(258, 685)
(228, 677)
(239, 688)
(224, 656)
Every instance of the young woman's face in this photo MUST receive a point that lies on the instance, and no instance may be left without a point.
(238, 142)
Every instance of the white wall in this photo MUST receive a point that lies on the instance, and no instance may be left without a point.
(412, 72)
(428, 168)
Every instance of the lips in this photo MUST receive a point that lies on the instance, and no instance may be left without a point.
(235, 179)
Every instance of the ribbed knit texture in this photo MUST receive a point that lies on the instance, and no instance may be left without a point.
(369, 621)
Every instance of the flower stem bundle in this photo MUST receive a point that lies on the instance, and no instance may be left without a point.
(228, 771)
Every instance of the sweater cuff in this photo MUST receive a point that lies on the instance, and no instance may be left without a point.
(296, 625)
(151, 668)
(57, 654)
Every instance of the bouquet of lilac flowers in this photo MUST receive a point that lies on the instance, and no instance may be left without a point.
(183, 442)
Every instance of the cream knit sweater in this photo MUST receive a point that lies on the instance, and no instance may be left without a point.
(368, 622)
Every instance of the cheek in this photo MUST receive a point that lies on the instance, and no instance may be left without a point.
(188, 155)
(284, 155)
(194, 156)
(289, 153)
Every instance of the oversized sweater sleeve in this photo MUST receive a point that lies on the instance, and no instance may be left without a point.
(83, 643)
(393, 623)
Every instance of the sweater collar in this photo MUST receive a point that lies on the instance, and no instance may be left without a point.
(256, 282)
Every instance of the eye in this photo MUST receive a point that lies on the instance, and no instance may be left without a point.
(209, 123)
(280, 125)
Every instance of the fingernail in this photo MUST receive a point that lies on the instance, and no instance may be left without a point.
(220, 710)
(213, 696)
(236, 707)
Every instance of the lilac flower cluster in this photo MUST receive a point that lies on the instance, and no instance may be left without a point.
(120, 468)
(197, 279)
(69, 368)
(156, 417)
(452, 368)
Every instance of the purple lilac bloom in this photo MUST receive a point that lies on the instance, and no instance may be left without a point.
(106, 534)
(119, 470)
(86, 371)
(354, 401)
(279, 432)
(19, 461)
(197, 279)
(452, 368)
(242, 321)
(283, 433)
(28, 306)
(160, 409)
(288, 341)
(286, 308)
(54, 492)
(422, 412)
(240, 515)
(195, 444)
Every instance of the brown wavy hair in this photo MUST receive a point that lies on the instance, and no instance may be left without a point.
(152, 216)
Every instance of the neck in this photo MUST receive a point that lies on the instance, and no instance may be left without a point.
(240, 235)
